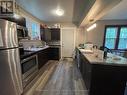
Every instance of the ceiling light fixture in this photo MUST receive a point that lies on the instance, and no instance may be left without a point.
(59, 12)
(92, 27)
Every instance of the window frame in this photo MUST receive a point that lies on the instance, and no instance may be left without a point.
(29, 23)
(117, 37)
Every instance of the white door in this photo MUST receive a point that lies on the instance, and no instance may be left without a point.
(68, 41)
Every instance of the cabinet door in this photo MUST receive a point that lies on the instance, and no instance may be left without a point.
(86, 69)
(54, 54)
(42, 34)
(55, 34)
(47, 34)
(87, 74)
(108, 80)
(42, 58)
(81, 64)
(77, 58)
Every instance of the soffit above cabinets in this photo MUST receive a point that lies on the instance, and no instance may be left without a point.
(98, 10)
(81, 8)
(119, 12)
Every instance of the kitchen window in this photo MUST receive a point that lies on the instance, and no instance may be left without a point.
(116, 37)
(123, 38)
(34, 29)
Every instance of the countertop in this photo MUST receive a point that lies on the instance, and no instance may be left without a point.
(97, 58)
(36, 49)
(29, 52)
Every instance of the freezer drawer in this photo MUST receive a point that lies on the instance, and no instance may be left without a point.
(10, 72)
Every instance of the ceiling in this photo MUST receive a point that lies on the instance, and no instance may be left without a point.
(119, 12)
(76, 11)
(43, 9)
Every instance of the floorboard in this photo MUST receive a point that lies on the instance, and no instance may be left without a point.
(60, 78)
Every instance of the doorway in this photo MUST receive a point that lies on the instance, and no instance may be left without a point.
(68, 42)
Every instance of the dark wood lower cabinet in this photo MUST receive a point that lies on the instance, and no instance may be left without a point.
(43, 57)
(48, 54)
(103, 79)
(54, 53)
(108, 80)
(86, 70)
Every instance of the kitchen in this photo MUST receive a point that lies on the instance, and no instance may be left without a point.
(43, 53)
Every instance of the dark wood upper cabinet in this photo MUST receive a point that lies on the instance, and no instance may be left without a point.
(42, 33)
(55, 34)
(19, 21)
(45, 34)
(52, 34)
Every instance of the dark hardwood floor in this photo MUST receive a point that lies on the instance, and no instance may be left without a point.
(60, 78)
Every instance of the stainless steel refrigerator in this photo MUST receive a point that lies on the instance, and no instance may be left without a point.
(10, 70)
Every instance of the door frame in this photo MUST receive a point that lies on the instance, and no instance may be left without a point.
(62, 38)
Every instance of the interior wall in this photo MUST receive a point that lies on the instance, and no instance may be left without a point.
(30, 19)
(80, 36)
(62, 25)
(26, 14)
(96, 35)
(79, 33)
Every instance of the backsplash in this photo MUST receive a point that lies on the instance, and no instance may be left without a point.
(53, 43)
(32, 43)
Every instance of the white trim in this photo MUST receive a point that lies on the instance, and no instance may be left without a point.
(75, 36)
(74, 28)
(61, 42)
(68, 28)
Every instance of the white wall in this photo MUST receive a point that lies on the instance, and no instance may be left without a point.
(30, 19)
(61, 24)
(79, 33)
(26, 14)
(80, 36)
(96, 35)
